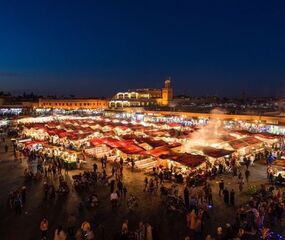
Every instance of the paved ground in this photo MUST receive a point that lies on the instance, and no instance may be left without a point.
(166, 225)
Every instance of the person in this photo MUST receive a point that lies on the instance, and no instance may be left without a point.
(114, 199)
(78, 234)
(23, 194)
(44, 228)
(113, 171)
(18, 205)
(85, 226)
(59, 234)
(125, 229)
(226, 196)
(141, 231)
(112, 185)
(125, 191)
(232, 197)
(220, 233)
(247, 174)
(148, 232)
(71, 225)
(221, 187)
(240, 184)
(208, 237)
(192, 220)
(6, 148)
(105, 161)
(210, 197)
(145, 184)
(120, 186)
(239, 175)
(186, 197)
(90, 235)
(46, 190)
(95, 167)
(133, 164)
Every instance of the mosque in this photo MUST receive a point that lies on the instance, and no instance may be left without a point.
(143, 97)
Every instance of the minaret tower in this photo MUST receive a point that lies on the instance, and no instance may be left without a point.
(167, 92)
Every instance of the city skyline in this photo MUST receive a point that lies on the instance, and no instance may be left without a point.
(98, 49)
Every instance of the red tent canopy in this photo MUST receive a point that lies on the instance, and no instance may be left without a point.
(227, 138)
(96, 141)
(174, 125)
(251, 140)
(151, 142)
(267, 135)
(187, 159)
(158, 151)
(131, 149)
(214, 152)
(242, 132)
(238, 143)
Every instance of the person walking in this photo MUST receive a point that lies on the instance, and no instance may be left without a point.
(226, 196)
(71, 221)
(232, 197)
(186, 197)
(247, 174)
(149, 232)
(125, 230)
(133, 164)
(95, 167)
(125, 192)
(240, 184)
(112, 185)
(114, 200)
(59, 234)
(221, 187)
(6, 148)
(120, 187)
(145, 184)
(44, 228)
(210, 197)
(18, 204)
(23, 194)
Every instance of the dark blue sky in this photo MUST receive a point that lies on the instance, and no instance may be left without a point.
(91, 48)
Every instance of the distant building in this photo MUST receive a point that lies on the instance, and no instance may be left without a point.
(2, 100)
(167, 93)
(73, 104)
(143, 97)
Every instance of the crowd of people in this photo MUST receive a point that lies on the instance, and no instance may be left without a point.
(253, 218)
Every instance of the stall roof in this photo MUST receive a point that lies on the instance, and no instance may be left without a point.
(158, 151)
(244, 142)
(227, 138)
(131, 149)
(187, 159)
(238, 143)
(251, 140)
(174, 125)
(267, 135)
(242, 132)
(214, 152)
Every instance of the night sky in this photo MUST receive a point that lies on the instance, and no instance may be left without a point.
(95, 48)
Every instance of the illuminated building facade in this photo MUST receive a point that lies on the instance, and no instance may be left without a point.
(73, 104)
(167, 93)
(143, 97)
